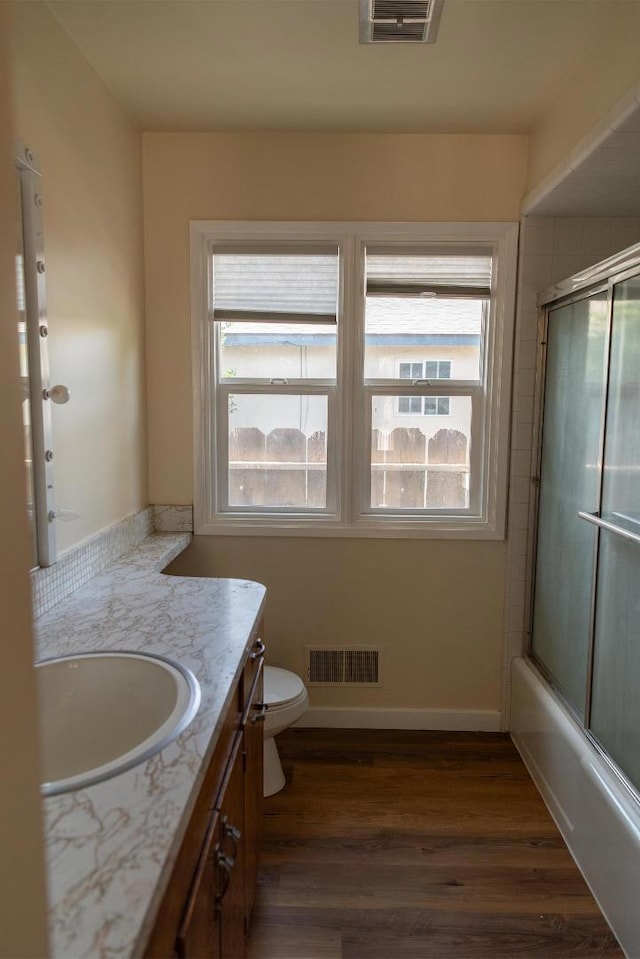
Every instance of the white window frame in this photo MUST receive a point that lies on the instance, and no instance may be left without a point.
(349, 440)
(264, 386)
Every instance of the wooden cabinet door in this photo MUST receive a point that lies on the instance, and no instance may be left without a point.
(230, 857)
(205, 911)
(253, 788)
(212, 926)
(199, 935)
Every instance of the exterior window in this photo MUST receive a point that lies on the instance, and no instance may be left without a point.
(348, 377)
(274, 314)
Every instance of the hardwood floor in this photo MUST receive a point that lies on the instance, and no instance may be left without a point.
(416, 845)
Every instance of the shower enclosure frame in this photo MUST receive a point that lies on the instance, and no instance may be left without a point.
(599, 279)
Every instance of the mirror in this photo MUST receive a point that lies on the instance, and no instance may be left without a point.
(23, 348)
(34, 364)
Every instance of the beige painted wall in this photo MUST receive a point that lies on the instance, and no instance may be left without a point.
(435, 606)
(22, 894)
(288, 176)
(607, 75)
(90, 157)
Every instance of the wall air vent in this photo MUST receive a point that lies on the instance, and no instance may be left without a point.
(343, 666)
(399, 21)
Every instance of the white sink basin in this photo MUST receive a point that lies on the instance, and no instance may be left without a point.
(102, 713)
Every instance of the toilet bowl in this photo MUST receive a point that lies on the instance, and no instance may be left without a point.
(287, 699)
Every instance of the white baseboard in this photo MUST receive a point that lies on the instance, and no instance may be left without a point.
(477, 720)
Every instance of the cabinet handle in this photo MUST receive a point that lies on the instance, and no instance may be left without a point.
(225, 864)
(259, 651)
(260, 714)
(234, 834)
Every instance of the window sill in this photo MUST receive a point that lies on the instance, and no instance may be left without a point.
(444, 529)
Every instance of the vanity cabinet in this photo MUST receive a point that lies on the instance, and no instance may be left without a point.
(206, 910)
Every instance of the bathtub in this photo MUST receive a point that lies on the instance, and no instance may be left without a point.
(596, 814)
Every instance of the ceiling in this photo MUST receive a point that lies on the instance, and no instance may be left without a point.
(236, 65)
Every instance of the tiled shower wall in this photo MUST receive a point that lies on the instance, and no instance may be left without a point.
(551, 249)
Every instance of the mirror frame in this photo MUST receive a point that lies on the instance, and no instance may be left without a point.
(30, 185)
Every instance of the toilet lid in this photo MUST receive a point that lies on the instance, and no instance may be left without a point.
(281, 686)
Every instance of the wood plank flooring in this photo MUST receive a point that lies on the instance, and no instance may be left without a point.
(416, 845)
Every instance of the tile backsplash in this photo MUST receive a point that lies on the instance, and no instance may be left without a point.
(173, 519)
(49, 585)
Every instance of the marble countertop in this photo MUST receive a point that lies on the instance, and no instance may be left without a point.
(111, 846)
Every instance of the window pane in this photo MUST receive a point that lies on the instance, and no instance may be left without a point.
(409, 404)
(276, 282)
(424, 465)
(277, 350)
(615, 715)
(405, 333)
(278, 450)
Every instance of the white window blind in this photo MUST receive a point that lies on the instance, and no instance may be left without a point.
(436, 273)
(275, 285)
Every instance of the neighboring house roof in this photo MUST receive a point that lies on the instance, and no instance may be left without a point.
(399, 322)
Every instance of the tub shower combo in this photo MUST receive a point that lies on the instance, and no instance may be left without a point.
(575, 712)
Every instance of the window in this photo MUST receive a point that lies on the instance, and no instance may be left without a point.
(428, 405)
(348, 377)
(274, 313)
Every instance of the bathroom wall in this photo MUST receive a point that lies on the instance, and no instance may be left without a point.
(436, 608)
(90, 157)
(583, 105)
(22, 892)
(284, 176)
(432, 605)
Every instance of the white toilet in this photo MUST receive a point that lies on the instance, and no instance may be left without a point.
(287, 699)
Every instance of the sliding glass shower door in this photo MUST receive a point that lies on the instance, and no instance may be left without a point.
(569, 482)
(615, 704)
(586, 603)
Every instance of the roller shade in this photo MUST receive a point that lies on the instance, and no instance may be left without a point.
(446, 273)
(275, 285)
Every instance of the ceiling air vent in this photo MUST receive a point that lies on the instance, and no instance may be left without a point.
(399, 21)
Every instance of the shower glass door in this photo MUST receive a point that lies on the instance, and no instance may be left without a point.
(615, 703)
(569, 482)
